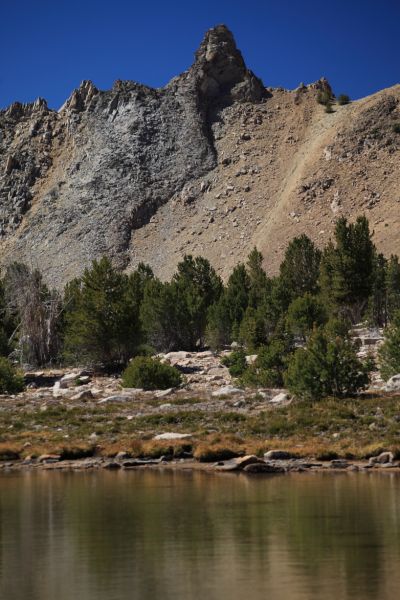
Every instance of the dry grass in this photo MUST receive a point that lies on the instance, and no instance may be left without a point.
(354, 428)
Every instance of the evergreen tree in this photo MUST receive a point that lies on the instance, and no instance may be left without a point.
(328, 366)
(259, 284)
(389, 353)
(392, 286)
(305, 313)
(270, 365)
(378, 300)
(102, 320)
(347, 268)
(218, 330)
(252, 330)
(299, 270)
(164, 316)
(199, 286)
(237, 298)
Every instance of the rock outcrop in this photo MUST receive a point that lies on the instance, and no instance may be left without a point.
(213, 163)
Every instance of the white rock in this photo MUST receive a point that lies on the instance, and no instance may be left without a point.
(282, 397)
(57, 391)
(163, 393)
(83, 395)
(172, 436)
(251, 359)
(204, 354)
(116, 398)
(393, 384)
(176, 356)
(69, 380)
(227, 390)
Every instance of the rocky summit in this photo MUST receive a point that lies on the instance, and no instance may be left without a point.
(214, 164)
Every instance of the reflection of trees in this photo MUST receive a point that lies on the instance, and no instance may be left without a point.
(338, 527)
(150, 535)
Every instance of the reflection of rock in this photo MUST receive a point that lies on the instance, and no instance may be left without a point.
(262, 467)
(238, 464)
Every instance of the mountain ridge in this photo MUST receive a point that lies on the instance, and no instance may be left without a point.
(213, 163)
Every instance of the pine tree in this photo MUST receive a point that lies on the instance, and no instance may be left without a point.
(347, 268)
(219, 325)
(305, 313)
(389, 353)
(164, 317)
(327, 366)
(102, 320)
(270, 365)
(299, 270)
(378, 300)
(200, 287)
(237, 298)
(259, 283)
(392, 286)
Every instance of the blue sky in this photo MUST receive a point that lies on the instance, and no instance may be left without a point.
(48, 47)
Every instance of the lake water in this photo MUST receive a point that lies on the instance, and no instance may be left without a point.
(182, 536)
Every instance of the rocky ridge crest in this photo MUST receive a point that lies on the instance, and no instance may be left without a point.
(213, 163)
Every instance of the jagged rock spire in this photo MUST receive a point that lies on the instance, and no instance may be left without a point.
(221, 70)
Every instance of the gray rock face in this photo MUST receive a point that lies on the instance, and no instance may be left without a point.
(75, 183)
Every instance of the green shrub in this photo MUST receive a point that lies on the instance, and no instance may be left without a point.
(150, 374)
(343, 99)
(269, 366)
(236, 362)
(11, 381)
(396, 127)
(328, 366)
(328, 108)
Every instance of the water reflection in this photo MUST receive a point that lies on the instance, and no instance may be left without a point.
(150, 535)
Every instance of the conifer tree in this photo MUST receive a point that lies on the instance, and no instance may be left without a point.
(305, 313)
(259, 284)
(378, 305)
(200, 287)
(299, 269)
(392, 286)
(347, 268)
(389, 353)
(237, 297)
(102, 320)
(327, 366)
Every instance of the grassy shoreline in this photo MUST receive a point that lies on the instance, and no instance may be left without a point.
(355, 429)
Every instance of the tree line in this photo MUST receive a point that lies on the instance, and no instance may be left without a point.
(297, 322)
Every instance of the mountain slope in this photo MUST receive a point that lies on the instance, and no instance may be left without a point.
(212, 164)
